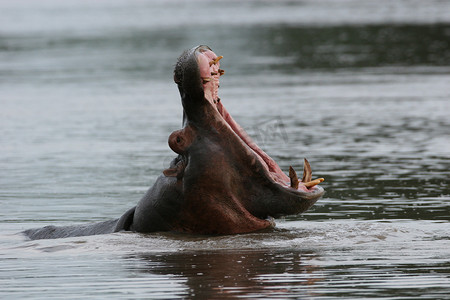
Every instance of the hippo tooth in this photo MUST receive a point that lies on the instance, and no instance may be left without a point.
(206, 79)
(314, 182)
(214, 61)
(294, 178)
(221, 72)
(307, 173)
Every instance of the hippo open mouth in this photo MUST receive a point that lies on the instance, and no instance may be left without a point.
(244, 174)
(221, 182)
(210, 72)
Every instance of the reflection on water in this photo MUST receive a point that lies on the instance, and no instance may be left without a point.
(230, 274)
(360, 88)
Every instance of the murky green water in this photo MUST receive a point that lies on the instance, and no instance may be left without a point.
(360, 88)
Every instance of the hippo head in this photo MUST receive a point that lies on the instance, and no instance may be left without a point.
(229, 184)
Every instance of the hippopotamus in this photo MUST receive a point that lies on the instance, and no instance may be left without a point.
(220, 182)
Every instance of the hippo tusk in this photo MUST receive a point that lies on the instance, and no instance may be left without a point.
(215, 61)
(294, 178)
(313, 182)
(206, 79)
(307, 173)
(306, 181)
(307, 176)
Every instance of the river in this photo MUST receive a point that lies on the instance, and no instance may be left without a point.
(360, 88)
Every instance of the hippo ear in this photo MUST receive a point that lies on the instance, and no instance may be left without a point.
(172, 172)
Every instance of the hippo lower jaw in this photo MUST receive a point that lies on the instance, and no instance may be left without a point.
(305, 188)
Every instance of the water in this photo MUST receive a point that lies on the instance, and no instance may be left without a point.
(360, 88)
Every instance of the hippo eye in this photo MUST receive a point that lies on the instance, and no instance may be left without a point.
(178, 139)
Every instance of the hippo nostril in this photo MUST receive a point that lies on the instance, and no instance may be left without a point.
(178, 139)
